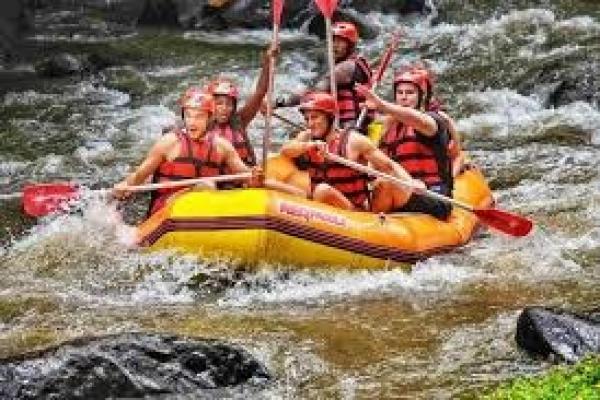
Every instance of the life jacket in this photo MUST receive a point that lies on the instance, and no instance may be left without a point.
(351, 183)
(349, 100)
(197, 159)
(423, 157)
(239, 139)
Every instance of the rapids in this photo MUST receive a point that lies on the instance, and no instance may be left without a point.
(443, 330)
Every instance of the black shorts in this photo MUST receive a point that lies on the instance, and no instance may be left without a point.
(418, 203)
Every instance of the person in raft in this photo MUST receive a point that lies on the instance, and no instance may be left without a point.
(231, 121)
(187, 152)
(332, 183)
(418, 140)
(350, 69)
(457, 156)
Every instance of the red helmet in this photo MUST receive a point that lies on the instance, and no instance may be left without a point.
(417, 76)
(195, 97)
(224, 87)
(319, 101)
(346, 30)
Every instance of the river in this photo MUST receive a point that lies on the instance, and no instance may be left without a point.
(445, 329)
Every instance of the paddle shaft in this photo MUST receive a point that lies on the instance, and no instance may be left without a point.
(186, 182)
(331, 61)
(271, 84)
(374, 172)
(385, 61)
(289, 122)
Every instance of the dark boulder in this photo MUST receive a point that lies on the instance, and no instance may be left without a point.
(13, 22)
(132, 365)
(558, 334)
(59, 65)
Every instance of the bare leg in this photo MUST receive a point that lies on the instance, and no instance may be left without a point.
(285, 188)
(387, 196)
(329, 195)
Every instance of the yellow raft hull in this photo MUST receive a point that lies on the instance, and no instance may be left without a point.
(260, 225)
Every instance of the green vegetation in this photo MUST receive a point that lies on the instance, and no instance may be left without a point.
(578, 382)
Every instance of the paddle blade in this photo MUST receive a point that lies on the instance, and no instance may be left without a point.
(43, 199)
(387, 57)
(512, 224)
(327, 7)
(277, 8)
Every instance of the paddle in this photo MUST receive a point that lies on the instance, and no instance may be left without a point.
(289, 122)
(327, 7)
(42, 199)
(509, 223)
(277, 8)
(385, 61)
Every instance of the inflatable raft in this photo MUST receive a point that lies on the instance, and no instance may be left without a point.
(261, 225)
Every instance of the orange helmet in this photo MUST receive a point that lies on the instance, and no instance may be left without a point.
(319, 101)
(224, 87)
(346, 30)
(195, 97)
(417, 76)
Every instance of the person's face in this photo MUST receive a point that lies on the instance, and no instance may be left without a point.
(224, 106)
(341, 48)
(196, 122)
(317, 122)
(407, 95)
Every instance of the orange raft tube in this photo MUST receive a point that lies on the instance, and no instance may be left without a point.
(258, 226)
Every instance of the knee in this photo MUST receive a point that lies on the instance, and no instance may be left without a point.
(322, 192)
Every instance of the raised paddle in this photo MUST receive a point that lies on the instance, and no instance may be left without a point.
(277, 8)
(42, 199)
(289, 122)
(509, 223)
(327, 7)
(385, 61)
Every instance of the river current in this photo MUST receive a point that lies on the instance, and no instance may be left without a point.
(445, 329)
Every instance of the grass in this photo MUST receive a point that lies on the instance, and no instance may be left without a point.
(578, 382)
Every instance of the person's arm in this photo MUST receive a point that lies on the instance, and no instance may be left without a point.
(296, 147)
(154, 158)
(422, 122)
(231, 157)
(344, 72)
(253, 104)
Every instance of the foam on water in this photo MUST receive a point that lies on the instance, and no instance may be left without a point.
(271, 287)
(259, 37)
(499, 114)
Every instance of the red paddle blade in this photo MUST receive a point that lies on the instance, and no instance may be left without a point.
(43, 199)
(277, 8)
(327, 7)
(387, 57)
(512, 224)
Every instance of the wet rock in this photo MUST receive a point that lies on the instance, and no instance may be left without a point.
(565, 82)
(558, 334)
(13, 22)
(59, 65)
(133, 365)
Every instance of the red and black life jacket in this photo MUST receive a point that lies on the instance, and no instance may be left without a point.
(349, 100)
(423, 157)
(351, 183)
(239, 139)
(197, 159)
